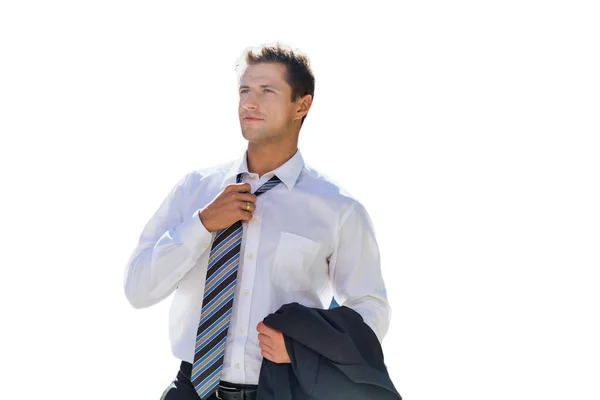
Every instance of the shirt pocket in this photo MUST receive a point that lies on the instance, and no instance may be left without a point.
(293, 261)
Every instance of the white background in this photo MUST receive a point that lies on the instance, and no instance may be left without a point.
(468, 129)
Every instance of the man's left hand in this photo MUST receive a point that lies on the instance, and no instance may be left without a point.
(271, 344)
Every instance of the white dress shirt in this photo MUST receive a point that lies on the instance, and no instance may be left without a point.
(308, 240)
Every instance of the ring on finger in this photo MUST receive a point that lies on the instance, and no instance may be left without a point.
(247, 206)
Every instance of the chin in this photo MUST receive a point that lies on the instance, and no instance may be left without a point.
(253, 136)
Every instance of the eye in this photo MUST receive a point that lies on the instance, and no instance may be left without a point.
(268, 90)
(243, 91)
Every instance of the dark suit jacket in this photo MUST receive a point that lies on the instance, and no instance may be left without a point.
(333, 353)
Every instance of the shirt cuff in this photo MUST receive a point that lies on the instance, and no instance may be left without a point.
(193, 234)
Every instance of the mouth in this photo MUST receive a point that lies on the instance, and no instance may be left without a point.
(250, 119)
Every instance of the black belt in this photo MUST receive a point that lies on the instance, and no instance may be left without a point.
(234, 394)
(225, 390)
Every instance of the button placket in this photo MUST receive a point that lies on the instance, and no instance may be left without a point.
(248, 274)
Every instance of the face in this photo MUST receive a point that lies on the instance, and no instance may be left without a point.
(266, 111)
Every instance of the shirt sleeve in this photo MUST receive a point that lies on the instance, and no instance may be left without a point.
(355, 271)
(169, 246)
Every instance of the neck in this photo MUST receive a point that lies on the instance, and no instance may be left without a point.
(263, 158)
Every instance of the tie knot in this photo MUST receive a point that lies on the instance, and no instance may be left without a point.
(268, 185)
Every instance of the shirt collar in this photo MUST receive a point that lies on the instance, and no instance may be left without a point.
(288, 173)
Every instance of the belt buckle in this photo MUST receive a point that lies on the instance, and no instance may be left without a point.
(239, 392)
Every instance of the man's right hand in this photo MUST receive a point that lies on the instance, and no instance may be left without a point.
(229, 207)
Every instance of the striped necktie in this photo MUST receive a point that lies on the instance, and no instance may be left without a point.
(217, 303)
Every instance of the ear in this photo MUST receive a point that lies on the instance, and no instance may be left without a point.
(302, 106)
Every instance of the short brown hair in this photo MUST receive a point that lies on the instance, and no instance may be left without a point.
(298, 72)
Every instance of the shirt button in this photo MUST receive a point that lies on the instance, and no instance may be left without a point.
(237, 365)
(179, 275)
(254, 220)
(241, 330)
(250, 256)
(246, 293)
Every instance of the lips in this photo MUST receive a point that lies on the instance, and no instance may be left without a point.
(252, 120)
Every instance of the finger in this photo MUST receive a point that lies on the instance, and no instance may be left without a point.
(245, 216)
(267, 355)
(262, 328)
(247, 206)
(238, 187)
(266, 347)
(265, 339)
(250, 197)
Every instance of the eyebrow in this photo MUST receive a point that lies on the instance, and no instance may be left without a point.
(262, 86)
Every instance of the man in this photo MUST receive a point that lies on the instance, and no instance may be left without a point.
(237, 241)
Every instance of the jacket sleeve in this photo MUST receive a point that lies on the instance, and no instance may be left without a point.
(355, 270)
(168, 247)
